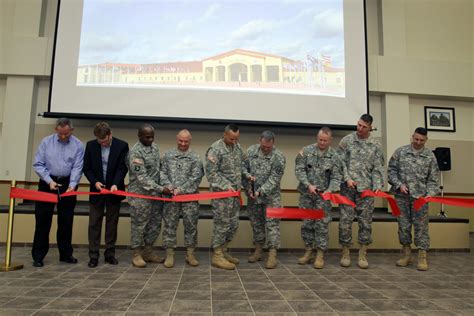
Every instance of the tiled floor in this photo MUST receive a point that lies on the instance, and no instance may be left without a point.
(383, 289)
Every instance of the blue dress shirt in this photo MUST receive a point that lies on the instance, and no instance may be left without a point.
(105, 151)
(60, 159)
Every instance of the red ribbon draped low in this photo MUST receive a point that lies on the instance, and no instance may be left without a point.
(337, 198)
(294, 213)
(449, 201)
(390, 199)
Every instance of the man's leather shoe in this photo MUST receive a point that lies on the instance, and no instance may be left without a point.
(93, 262)
(38, 263)
(111, 260)
(71, 259)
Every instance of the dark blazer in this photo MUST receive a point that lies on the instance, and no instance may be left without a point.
(116, 167)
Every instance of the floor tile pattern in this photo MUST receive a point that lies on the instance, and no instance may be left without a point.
(291, 289)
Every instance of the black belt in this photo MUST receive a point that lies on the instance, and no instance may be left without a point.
(60, 178)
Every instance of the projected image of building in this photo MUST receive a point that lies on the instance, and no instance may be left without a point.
(237, 68)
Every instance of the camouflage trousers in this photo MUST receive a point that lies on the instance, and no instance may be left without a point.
(408, 218)
(266, 231)
(315, 233)
(364, 210)
(171, 213)
(145, 221)
(225, 219)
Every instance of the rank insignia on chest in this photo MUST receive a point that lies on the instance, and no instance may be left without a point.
(137, 168)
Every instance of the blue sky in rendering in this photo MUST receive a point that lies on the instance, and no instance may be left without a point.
(156, 31)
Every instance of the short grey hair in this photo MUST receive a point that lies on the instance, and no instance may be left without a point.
(325, 130)
(267, 136)
(64, 121)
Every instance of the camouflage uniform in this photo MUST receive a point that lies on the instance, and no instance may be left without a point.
(144, 171)
(363, 162)
(224, 172)
(418, 170)
(268, 171)
(319, 168)
(182, 171)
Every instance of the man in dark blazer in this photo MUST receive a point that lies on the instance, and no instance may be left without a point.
(105, 168)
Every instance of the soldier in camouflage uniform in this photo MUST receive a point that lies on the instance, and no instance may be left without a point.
(317, 170)
(181, 172)
(363, 168)
(413, 172)
(265, 164)
(224, 172)
(143, 162)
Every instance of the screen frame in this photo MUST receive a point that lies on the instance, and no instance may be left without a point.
(198, 121)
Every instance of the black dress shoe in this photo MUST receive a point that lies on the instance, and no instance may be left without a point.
(38, 263)
(93, 262)
(71, 259)
(111, 260)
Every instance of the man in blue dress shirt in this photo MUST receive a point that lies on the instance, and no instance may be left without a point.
(58, 163)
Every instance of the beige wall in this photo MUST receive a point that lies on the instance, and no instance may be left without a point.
(421, 52)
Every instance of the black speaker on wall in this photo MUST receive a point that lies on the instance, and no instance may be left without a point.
(443, 156)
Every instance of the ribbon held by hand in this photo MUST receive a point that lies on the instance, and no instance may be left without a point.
(390, 199)
(337, 198)
(34, 195)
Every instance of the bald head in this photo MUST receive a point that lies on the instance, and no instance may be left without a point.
(184, 133)
(183, 140)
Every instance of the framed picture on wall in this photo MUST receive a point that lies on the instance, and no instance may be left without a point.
(440, 119)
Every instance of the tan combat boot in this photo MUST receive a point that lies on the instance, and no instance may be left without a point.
(219, 261)
(422, 262)
(190, 258)
(346, 257)
(406, 258)
(137, 259)
(272, 259)
(257, 255)
(363, 263)
(319, 261)
(227, 256)
(307, 257)
(169, 261)
(149, 256)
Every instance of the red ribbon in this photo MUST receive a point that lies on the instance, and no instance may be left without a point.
(390, 199)
(337, 198)
(18, 193)
(34, 195)
(205, 196)
(135, 195)
(449, 201)
(294, 213)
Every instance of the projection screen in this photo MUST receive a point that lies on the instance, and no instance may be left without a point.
(284, 62)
